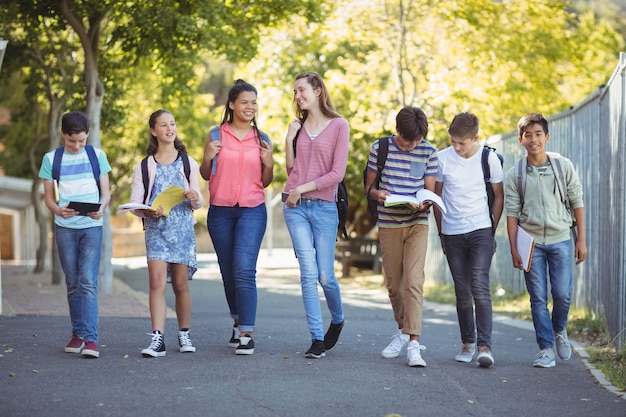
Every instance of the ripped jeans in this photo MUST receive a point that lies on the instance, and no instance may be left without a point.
(313, 229)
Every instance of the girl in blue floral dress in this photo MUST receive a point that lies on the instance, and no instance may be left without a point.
(170, 238)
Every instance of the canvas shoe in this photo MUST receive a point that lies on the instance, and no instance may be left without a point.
(332, 335)
(317, 350)
(157, 346)
(484, 358)
(184, 341)
(234, 339)
(413, 354)
(90, 350)
(398, 341)
(545, 359)
(76, 344)
(466, 353)
(246, 346)
(563, 347)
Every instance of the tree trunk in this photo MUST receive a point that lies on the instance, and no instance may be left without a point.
(90, 39)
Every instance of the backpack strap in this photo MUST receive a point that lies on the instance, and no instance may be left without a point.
(186, 167)
(561, 184)
(93, 161)
(216, 134)
(265, 138)
(145, 177)
(485, 164)
(56, 164)
(95, 165)
(381, 160)
(487, 178)
(557, 167)
(520, 178)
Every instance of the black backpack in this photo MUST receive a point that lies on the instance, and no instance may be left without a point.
(342, 196)
(487, 177)
(146, 179)
(381, 159)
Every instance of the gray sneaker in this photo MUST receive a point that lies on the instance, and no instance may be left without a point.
(485, 357)
(563, 348)
(545, 359)
(466, 353)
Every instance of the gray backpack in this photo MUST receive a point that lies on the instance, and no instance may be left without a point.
(557, 167)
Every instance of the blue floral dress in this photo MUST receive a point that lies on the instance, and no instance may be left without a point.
(171, 238)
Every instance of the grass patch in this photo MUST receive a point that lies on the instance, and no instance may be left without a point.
(591, 331)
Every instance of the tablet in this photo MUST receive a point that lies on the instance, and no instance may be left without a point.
(83, 208)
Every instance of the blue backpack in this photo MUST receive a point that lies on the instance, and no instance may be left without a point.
(93, 160)
(216, 135)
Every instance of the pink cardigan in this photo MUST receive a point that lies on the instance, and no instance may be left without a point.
(322, 160)
(138, 190)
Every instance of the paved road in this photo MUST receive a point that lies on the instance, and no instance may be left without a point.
(38, 379)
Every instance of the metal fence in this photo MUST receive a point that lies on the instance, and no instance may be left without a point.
(593, 135)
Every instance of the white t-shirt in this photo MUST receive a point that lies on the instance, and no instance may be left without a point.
(464, 193)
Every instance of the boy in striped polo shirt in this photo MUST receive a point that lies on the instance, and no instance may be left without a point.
(411, 165)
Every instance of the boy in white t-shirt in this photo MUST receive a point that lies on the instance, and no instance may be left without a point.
(467, 232)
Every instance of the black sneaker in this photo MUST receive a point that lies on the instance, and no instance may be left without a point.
(332, 335)
(246, 346)
(184, 341)
(234, 339)
(317, 350)
(157, 346)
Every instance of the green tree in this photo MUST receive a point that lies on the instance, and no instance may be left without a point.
(496, 59)
(171, 34)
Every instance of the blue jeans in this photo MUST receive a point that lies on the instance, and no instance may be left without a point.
(313, 229)
(469, 257)
(237, 233)
(79, 253)
(554, 260)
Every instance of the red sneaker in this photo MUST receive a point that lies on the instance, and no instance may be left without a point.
(90, 350)
(76, 345)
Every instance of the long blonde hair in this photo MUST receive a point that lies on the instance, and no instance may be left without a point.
(326, 105)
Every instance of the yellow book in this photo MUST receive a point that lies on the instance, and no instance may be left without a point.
(168, 198)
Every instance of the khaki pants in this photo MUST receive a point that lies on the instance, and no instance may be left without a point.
(404, 256)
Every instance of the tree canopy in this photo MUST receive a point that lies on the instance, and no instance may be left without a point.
(498, 59)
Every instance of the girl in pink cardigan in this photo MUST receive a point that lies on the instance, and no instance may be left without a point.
(315, 166)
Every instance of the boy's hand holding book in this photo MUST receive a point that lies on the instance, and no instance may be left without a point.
(422, 200)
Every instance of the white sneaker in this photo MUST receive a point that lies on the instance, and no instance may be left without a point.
(466, 353)
(414, 357)
(398, 341)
